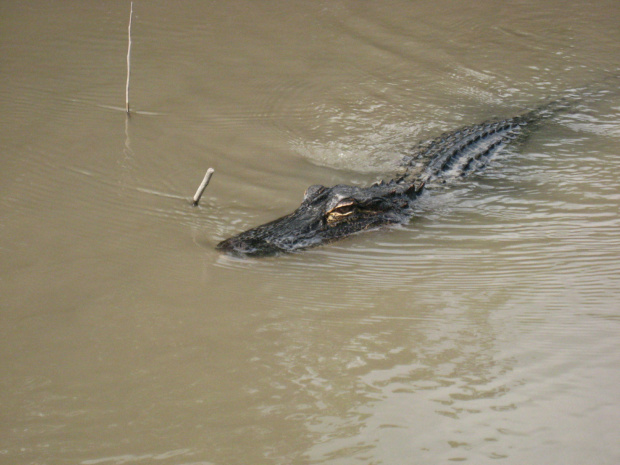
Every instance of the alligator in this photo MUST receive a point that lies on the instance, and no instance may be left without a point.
(327, 214)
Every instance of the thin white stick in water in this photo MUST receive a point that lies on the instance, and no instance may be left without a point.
(128, 61)
(203, 186)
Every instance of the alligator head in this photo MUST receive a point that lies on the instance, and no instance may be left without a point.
(325, 215)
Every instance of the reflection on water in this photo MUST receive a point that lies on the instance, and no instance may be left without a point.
(485, 329)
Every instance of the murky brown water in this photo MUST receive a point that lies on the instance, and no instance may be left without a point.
(488, 330)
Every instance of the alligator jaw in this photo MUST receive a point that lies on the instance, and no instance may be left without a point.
(279, 236)
(325, 215)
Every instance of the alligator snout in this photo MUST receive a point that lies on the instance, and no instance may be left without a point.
(325, 215)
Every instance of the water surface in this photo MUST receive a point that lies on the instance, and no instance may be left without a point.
(486, 330)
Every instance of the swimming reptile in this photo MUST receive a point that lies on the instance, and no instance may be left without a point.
(327, 214)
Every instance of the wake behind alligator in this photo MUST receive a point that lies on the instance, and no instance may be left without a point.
(327, 214)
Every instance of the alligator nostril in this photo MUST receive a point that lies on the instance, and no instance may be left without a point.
(237, 247)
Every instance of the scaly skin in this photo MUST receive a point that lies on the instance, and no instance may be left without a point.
(331, 213)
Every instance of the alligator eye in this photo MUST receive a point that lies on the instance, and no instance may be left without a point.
(341, 210)
(313, 191)
(344, 209)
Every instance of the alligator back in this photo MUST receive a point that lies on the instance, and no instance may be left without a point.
(458, 153)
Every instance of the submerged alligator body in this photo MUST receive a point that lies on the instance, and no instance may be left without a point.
(327, 214)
